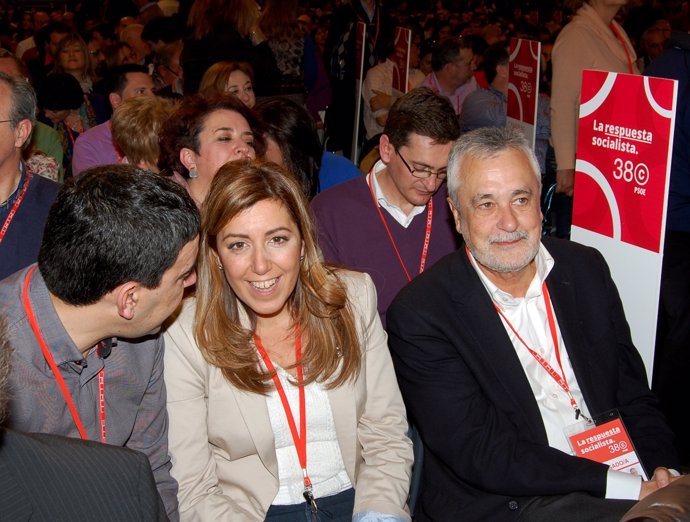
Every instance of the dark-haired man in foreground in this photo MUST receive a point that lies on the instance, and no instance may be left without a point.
(118, 251)
(111, 483)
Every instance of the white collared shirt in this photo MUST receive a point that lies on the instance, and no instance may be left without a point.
(396, 212)
(529, 318)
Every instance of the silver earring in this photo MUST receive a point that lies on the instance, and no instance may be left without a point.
(220, 267)
(193, 173)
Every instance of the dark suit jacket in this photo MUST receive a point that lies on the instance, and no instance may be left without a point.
(51, 478)
(486, 449)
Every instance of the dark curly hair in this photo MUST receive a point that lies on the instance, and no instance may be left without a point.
(182, 129)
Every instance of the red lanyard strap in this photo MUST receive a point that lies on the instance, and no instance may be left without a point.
(559, 378)
(15, 207)
(56, 372)
(427, 234)
(300, 439)
(625, 47)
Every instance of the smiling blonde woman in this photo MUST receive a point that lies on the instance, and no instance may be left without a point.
(282, 399)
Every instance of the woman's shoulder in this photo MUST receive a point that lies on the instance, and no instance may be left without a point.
(354, 281)
(183, 318)
(359, 288)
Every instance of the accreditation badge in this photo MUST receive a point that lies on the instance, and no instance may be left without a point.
(607, 441)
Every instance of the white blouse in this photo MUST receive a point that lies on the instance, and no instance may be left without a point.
(325, 464)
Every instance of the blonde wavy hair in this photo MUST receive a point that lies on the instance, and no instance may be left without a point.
(319, 302)
(136, 124)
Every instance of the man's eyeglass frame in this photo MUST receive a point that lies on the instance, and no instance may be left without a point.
(441, 174)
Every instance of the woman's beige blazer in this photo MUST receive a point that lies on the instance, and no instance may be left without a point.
(221, 441)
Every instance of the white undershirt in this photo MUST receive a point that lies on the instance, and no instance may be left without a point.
(395, 211)
(324, 460)
(528, 317)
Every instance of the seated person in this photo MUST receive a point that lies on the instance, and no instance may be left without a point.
(69, 111)
(73, 57)
(271, 328)
(236, 78)
(395, 221)
(96, 147)
(118, 250)
(63, 468)
(292, 141)
(168, 77)
(502, 345)
(25, 199)
(44, 143)
(202, 135)
(136, 124)
(489, 107)
(377, 91)
(453, 64)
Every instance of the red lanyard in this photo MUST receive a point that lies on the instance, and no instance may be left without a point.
(56, 372)
(559, 378)
(300, 439)
(69, 133)
(625, 47)
(15, 207)
(427, 235)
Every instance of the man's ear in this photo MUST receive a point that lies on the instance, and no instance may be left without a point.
(127, 298)
(456, 215)
(386, 149)
(115, 100)
(22, 132)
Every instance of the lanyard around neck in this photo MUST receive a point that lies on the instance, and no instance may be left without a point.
(299, 439)
(15, 206)
(56, 372)
(558, 377)
(427, 234)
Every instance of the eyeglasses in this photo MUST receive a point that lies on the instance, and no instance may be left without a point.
(440, 174)
(5, 121)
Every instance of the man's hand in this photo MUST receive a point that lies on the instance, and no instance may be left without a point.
(565, 181)
(662, 478)
(380, 100)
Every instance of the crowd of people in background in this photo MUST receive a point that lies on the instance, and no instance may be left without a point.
(246, 109)
(303, 51)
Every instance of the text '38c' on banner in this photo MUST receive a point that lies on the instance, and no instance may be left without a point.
(624, 142)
